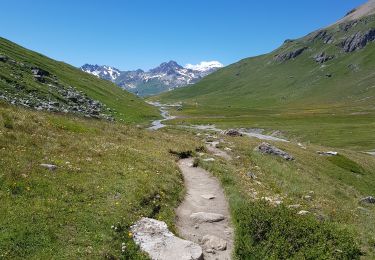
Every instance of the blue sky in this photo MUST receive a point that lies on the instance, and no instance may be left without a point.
(143, 33)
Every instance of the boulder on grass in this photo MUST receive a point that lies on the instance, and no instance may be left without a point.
(266, 148)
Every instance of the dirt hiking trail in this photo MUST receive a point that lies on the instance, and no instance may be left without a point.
(203, 217)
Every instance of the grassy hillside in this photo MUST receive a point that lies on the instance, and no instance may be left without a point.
(18, 82)
(270, 82)
(108, 176)
(288, 86)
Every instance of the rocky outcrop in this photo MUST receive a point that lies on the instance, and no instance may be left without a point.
(266, 148)
(322, 35)
(344, 27)
(357, 41)
(322, 57)
(154, 238)
(289, 55)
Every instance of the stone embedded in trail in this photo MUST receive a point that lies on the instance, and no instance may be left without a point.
(368, 200)
(154, 238)
(213, 243)
(50, 167)
(208, 196)
(202, 217)
(270, 149)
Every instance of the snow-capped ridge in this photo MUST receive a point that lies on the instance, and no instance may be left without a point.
(205, 66)
(165, 77)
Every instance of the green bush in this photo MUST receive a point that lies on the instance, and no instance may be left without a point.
(346, 164)
(7, 120)
(266, 232)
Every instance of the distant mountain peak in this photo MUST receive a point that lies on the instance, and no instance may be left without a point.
(167, 76)
(102, 71)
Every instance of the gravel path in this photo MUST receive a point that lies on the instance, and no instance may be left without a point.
(203, 217)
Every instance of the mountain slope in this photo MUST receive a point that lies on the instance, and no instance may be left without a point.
(30, 79)
(329, 68)
(167, 76)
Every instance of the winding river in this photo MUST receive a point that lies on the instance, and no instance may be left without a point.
(163, 108)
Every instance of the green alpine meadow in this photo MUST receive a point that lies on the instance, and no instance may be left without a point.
(267, 156)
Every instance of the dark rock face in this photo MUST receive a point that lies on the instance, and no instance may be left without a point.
(39, 74)
(358, 41)
(322, 57)
(322, 35)
(266, 148)
(344, 27)
(168, 68)
(289, 55)
(3, 58)
(368, 200)
(232, 132)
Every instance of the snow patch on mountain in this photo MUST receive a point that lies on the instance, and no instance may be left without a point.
(104, 72)
(205, 66)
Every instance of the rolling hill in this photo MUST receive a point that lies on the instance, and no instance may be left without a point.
(32, 80)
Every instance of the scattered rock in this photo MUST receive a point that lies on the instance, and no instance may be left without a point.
(307, 197)
(266, 148)
(154, 238)
(208, 196)
(358, 41)
(251, 175)
(202, 217)
(354, 67)
(289, 55)
(329, 153)
(214, 243)
(303, 212)
(232, 132)
(50, 167)
(368, 200)
(294, 206)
